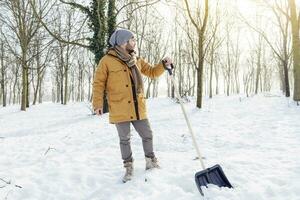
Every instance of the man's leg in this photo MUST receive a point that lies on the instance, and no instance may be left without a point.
(124, 136)
(144, 130)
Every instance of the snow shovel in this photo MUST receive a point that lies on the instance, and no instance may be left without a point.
(213, 175)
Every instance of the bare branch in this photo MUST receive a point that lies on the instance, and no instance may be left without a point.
(262, 33)
(12, 50)
(140, 2)
(84, 9)
(8, 183)
(74, 42)
(132, 11)
(49, 148)
(281, 10)
(191, 18)
(205, 17)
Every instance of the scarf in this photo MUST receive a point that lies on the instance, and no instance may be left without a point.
(130, 60)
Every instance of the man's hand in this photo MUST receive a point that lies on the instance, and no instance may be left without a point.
(99, 111)
(167, 61)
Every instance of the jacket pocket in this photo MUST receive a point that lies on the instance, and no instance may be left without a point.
(117, 106)
(115, 97)
(115, 79)
(142, 104)
(115, 68)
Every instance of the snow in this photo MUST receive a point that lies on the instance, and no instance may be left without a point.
(63, 152)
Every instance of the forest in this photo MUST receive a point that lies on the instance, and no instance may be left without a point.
(50, 49)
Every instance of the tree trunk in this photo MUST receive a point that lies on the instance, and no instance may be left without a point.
(200, 71)
(258, 69)
(40, 89)
(286, 79)
(3, 90)
(217, 80)
(62, 89)
(37, 85)
(15, 84)
(148, 88)
(296, 49)
(211, 71)
(38, 72)
(66, 71)
(24, 87)
(27, 93)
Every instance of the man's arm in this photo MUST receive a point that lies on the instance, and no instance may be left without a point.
(151, 72)
(99, 85)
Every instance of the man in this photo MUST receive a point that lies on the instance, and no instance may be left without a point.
(119, 73)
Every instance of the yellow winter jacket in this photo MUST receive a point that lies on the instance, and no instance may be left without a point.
(113, 76)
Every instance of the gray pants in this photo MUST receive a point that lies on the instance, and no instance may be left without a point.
(144, 130)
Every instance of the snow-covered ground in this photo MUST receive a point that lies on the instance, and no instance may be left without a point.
(56, 152)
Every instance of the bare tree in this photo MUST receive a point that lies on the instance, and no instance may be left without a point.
(280, 10)
(248, 75)
(259, 52)
(43, 51)
(24, 26)
(63, 52)
(283, 51)
(200, 26)
(215, 44)
(151, 45)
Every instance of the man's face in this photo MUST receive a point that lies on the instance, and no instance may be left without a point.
(131, 44)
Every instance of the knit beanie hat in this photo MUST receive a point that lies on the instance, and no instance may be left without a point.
(120, 36)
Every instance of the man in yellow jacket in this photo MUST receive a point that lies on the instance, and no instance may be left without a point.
(119, 74)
